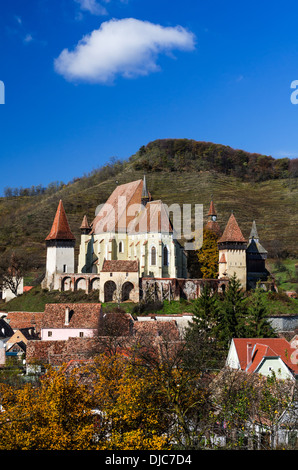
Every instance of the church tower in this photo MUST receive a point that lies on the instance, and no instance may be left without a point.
(232, 252)
(60, 245)
(256, 256)
(212, 223)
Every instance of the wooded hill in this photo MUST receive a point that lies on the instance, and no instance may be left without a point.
(255, 187)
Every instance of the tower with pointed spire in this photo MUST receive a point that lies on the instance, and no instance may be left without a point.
(60, 244)
(212, 223)
(256, 256)
(232, 252)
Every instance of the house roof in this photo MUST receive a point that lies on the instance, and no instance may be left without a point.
(84, 315)
(118, 266)
(19, 320)
(232, 232)
(261, 348)
(60, 229)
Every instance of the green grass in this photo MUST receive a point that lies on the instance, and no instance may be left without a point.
(286, 273)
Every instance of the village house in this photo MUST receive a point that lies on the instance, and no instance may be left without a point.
(264, 356)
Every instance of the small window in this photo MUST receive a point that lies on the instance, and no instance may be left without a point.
(81, 334)
(49, 333)
(153, 256)
(64, 268)
(121, 247)
(111, 274)
(165, 256)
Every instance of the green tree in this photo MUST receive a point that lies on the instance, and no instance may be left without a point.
(257, 322)
(202, 350)
(233, 312)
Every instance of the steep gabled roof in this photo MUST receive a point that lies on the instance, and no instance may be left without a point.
(152, 218)
(232, 232)
(60, 229)
(114, 214)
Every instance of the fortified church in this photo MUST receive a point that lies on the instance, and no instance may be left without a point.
(130, 251)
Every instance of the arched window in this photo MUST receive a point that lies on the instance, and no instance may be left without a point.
(153, 256)
(121, 247)
(165, 256)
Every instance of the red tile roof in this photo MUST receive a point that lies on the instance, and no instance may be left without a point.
(232, 232)
(60, 229)
(264, 347)
(85, 223)
(114, 214)
(84, 315)
(19, 320)
(118, 266)
(212, 210)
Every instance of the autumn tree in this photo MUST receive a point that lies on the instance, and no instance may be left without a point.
(55, 416)
(131, 407)
(208, 255)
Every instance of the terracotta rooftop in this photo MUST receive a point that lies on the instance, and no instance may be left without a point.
(212, 210)
(264, 347)
(153, 218)
(120, 266)
(85, 223)
(232, 232)
(114, 214)
(60, 229)
(84, 315)
(19, 320)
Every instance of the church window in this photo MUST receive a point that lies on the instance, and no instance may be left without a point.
(153, 256)
(64, 268)
(165, 256)
(121, 247)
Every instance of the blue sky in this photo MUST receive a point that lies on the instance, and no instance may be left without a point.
(87, 80)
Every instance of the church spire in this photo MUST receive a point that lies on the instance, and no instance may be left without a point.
(253, 233)
(60, 229)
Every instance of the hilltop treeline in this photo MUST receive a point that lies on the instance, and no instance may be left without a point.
(190, 155)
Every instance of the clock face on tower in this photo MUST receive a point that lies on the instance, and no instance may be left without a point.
(213, 218)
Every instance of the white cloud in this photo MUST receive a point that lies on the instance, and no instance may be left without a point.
(126, 47)
(92, 6)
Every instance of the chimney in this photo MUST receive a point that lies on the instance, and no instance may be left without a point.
(67, 316)
(249, 353)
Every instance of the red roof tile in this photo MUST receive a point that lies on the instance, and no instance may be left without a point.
(120, 266)
(60, 229)
(232, 232)
(212, 210)
(82, 315)
(264, 347)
